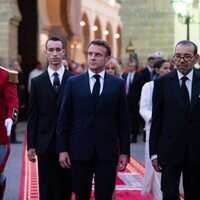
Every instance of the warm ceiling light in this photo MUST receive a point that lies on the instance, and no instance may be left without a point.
(117, 35)
(82, 23)
(94, 28)
(105, 32)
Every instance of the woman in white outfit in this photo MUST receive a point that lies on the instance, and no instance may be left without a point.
(113, 68)
(151, 181)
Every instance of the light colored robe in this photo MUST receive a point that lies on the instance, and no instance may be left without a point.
(151, 181)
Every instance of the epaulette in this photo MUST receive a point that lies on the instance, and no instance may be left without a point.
(13, 75)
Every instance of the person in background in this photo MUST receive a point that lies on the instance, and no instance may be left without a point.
(8, 116)
(65, 62)
(133, 85)
(80, 68)
(133, 58)
(15, 65)
(148, 72)
(112, 68)
(92, 130)
(147, 75)
(35, 72)
(174, 135)
(45, 101)
(158, 55)
(151, 181)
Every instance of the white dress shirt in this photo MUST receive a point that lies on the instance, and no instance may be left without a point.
(188, 82)
(60, 72)
(92, 80)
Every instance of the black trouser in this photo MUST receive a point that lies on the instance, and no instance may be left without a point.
(171, 178)
(54, 181)
(134, 126)
(104, 178)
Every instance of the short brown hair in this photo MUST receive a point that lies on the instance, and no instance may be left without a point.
(103, 43)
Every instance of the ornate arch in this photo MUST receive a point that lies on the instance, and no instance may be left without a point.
(85, 33)
(119, 42)
(70, 13)
(98, 32)
(109, 36)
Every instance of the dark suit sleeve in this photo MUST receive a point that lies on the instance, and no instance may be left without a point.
(64, 120)
(124, 136)
(32, 116)
(156, 118)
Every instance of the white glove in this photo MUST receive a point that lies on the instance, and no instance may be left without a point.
(8, 125)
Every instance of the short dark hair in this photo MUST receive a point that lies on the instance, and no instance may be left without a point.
(150, 58)
(54, 38)
(102, 43)
(190, 43)
(159, 63)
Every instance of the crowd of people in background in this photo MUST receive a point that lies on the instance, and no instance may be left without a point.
(62, 118)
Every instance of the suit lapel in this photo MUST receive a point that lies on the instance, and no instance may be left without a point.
(175, 87)
(195, 90)
(48, 83)
(62, 86)
(86, 90)
(105, 91)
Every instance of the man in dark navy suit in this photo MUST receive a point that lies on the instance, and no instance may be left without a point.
(93, 131)
(148, 72)
(174, 135)
(45, 100)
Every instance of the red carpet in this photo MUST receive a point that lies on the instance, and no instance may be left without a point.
(128, 183)
(29, 179)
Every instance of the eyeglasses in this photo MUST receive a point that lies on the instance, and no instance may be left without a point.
(186, 57)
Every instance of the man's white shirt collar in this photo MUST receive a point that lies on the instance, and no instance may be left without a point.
(150, 69)
(190, 75)
(60, 72)
(91, 74)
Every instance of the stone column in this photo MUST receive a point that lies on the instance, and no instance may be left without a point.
(10, 18)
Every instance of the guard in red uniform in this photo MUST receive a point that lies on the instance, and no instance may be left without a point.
(8, 116)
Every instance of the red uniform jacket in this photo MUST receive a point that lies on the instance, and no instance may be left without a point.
(8, 102)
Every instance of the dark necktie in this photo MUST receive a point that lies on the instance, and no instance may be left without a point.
(96, 88)
(185, 93)
(56, 82)
(129, 82)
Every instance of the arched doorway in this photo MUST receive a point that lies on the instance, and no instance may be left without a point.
(70, 12)
(27, 34)
(98, 31)
(118, 37)
(109, 35)
(27, 43)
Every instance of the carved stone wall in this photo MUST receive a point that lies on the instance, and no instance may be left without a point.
(150, 26)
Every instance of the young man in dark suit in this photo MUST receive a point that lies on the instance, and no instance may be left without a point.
(92, 131)
(133, 83)
(174, 135)
(45, 100)
(148, 72)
